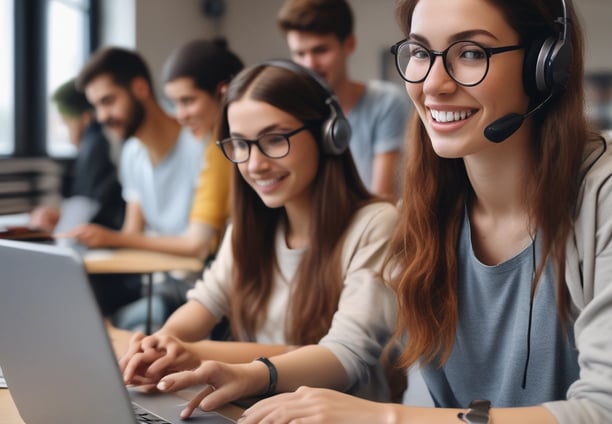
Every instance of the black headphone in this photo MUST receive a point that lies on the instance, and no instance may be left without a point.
(547, 61)
(336, 130)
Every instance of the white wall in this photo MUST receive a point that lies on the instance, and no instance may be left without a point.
(155, 27)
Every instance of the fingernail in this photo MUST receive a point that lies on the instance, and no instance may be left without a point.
(162, 385)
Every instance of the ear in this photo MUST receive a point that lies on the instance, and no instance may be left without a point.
(221, 90)
(349, 44)
(86, 117)
(140, 88)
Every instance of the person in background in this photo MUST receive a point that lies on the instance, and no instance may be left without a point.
(159, 164)
(319, 34)
(299, 264)
(94, 194)
(195, 77)
(502, 258)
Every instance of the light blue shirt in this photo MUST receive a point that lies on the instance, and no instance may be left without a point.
(377, 123)
(164, 191)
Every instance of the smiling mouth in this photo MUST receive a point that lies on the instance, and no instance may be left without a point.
(267, 182)
(444, 116)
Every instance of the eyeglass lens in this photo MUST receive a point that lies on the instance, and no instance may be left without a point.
(466, 62)
(271, 145)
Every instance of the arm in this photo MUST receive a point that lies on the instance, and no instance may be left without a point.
(326, 406)
(44, 217)
(196, 242)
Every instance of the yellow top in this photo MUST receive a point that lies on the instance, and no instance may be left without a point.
(211, 198)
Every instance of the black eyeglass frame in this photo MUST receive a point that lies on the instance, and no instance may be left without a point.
(250, 143)
(490, 51)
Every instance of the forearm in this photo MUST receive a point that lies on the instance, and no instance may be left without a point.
(397, 414)
(195, 243)
(191, 322)
(236, 352)
(312, 365)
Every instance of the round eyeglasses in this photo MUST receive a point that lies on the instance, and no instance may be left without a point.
(272, 145)
(466, 62)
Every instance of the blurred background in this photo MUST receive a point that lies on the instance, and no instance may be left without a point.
(45, 42)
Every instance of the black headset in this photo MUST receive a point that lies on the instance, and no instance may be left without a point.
(547, 61)
(336, 130)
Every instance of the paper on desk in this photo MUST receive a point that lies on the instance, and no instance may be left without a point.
(2, 381)
(98, 254)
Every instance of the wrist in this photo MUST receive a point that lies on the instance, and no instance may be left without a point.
(478, 413)
(272, 376)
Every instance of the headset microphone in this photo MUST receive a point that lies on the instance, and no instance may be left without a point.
(545, 73)
(502, 128)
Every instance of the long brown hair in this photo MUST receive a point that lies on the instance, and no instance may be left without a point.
(337, 194)
(436, 190)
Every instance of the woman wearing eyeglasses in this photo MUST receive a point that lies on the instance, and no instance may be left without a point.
(503, 252)
(301, 262)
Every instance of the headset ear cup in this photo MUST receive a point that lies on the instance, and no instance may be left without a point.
(336, 134)
(531, 68)
(546, 66)
(336, 130)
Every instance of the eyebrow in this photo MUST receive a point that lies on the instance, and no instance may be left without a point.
(265, 130)
(463, 35)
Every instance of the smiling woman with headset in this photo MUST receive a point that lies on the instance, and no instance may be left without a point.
(300, 263)
(503, 253)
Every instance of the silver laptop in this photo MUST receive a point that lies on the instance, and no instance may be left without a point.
(54, 349)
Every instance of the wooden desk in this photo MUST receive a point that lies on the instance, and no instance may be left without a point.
(133, 261)
(120, 340)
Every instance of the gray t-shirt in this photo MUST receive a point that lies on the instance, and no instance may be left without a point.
(490, 351)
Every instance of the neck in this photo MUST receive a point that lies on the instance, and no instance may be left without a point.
(298, 226)
(158, 132)
(349, 92)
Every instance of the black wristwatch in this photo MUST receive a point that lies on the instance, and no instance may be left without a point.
(478, 413)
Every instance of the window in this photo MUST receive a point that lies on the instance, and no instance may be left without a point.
(43, 43)
(7, 65)
(67, 49)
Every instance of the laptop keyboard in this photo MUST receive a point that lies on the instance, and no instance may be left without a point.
(143, 416)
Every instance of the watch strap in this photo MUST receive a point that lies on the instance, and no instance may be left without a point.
(478, 412)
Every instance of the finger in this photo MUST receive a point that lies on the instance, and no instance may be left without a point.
(138, 365)
(195, 401)
(164, 365)
(181, 380)
(133, 348)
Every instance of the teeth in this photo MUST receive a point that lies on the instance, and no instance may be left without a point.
(266, 183)
(441, 116)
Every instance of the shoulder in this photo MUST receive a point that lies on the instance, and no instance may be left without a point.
(596, 168)
(385, 89)
(378, 217)
(386, 96)
(587, 266)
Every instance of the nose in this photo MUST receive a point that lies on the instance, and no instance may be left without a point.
(102, 115)
(257, 160)
(181, 113)
(308, 60)
(438, 80)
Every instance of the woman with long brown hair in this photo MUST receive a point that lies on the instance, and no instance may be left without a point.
(503, 255)
(300, 263)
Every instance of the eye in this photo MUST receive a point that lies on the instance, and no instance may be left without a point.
(471, 52)
(238, 144)
(273, 139)
(418, 52)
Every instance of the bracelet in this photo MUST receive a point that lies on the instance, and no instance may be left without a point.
(478, 412)
(273, 376)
